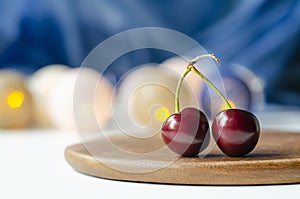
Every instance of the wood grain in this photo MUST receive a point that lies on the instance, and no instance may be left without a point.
(275, 160)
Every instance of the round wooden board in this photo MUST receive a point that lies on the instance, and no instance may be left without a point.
(275, 160)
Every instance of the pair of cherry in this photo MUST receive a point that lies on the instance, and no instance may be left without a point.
(235, 131)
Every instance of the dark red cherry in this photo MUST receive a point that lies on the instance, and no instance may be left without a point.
(186, 133)
(236, 132)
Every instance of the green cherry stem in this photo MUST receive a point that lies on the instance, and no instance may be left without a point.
(177, 107)
(190, 68)
(198, 58)
(194, 70)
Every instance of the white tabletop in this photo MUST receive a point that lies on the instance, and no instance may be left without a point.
(33, 166)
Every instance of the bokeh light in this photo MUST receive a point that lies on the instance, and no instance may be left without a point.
(15, 99)
(161, 114)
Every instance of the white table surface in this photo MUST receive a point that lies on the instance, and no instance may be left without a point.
(33, 166)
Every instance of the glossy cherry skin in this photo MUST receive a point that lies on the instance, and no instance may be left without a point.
(236, 132)
(186, 133)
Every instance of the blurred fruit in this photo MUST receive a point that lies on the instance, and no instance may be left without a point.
(40, 85)
(15, 101)
(146, 98)
(80, 100)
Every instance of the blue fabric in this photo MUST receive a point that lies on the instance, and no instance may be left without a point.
(259, 34)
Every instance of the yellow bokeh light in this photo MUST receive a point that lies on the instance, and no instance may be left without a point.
(15, 99)
(223, 107)
(162, 114)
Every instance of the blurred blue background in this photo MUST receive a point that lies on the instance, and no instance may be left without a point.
(259, 34)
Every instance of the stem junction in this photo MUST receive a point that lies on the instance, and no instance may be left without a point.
(190, 67)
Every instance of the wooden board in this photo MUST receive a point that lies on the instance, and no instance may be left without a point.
(275, 160)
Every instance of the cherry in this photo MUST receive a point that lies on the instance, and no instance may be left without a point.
(236, 131)
(186, 133)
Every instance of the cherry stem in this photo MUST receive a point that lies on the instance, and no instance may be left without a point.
(198, 58)
(192, 68)
(177, 107)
